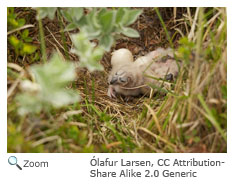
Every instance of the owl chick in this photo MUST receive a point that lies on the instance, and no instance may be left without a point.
(130, 78)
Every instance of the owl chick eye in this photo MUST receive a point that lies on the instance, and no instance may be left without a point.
(123, 79)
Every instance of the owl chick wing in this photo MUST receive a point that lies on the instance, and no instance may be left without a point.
(154, 55)
(159, 63)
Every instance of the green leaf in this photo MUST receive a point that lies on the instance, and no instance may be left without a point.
(73, 14)
(51, 80)
(76, 13)
(70, 27)
(107, 21)
(57, 67)
(35, 57)
(130, 32)
(92, 28)
(119, 15)
(25, 34)
(66, 15)
(107, 41)
(224, 91)
(92, 33)
(28, 49)
(75, 17)
(131, 16)
(43, 12)
(89, 55)
(21, 22)
(28, 39)
(92, 21)
(12, 23)
(14, 41)
(10, 11)
(28, 104)
(101, 12)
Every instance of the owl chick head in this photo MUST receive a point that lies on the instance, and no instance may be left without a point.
(122, 77)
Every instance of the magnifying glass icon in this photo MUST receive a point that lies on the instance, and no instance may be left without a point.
(12, 160)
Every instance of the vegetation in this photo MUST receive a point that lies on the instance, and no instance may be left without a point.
(58, 63)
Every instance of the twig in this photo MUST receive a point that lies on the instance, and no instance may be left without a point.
(157, 137)
(17, 81)
(155, 118)
(192, 31)
(44, 140)
(20, 28)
